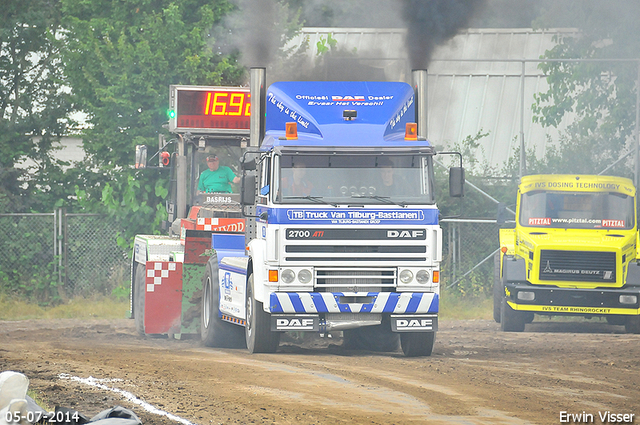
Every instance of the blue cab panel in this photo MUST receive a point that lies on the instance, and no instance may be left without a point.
(228, 244)
(377, 113)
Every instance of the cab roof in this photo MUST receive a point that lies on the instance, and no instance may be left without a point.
(340, 114)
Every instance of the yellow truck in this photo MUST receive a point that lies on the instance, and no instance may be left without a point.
(573, 252)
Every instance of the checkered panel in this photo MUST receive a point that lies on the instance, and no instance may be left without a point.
(221, 224)
(163, 297)
(159, 271)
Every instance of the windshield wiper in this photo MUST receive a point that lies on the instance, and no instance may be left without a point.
(316, 199)
(385, 199)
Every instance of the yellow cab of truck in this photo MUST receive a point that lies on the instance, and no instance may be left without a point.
(573, 251)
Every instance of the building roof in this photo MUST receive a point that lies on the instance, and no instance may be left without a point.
(474, 81)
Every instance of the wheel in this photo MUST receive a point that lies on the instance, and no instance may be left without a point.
(498, 290)
(511, 320)
(372, 338)
(257, 330)
(139, 273)
(528, 316)
(214, 332)
(632, 325)
(415, 344)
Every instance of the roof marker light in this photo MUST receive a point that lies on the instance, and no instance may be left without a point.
(411, 131)
(349, 114)
(291, 131)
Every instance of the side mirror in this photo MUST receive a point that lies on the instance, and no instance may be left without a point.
(249, 164)
(456, 182)
(248, 191)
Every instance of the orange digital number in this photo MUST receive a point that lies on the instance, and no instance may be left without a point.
(236, 101)
(217, 104)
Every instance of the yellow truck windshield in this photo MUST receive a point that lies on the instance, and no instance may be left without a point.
(579, 210)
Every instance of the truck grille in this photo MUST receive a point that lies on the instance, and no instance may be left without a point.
(389, 254)
(578, 266)
(355, 280)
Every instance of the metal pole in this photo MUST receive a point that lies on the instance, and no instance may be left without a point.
(55, 243)
(523, 164)
(63, 229)
(181, 177)
(637, 125)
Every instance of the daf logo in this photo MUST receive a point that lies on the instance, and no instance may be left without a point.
(347, 98)
(284, 323)
(413, 323)
(405, 233)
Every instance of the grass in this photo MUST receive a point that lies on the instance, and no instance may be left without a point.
(452, 306)
(77, 308)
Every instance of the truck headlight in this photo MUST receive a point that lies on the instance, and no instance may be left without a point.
(406, 276)
(628, 299)
(422, 276)
(304, 276)
(526, 295)
(287, 276)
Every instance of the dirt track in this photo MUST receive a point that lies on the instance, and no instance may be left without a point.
(477, 375)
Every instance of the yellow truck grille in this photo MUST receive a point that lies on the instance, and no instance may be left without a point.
(578, 266)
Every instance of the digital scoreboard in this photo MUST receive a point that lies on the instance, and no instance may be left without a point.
(200, 109)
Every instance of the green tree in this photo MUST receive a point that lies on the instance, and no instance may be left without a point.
(120, 59)
(599, 96)
(34, 105)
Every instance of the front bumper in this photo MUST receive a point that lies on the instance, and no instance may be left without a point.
(572, 301)
(354, 302)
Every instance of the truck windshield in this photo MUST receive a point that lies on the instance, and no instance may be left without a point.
(362, 179)
(601, 210)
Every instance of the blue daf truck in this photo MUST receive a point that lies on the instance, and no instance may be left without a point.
(342, 228)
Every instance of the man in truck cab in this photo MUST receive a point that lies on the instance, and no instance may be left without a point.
(216, 178)
(391, 182)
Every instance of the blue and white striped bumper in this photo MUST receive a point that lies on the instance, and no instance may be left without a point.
(337, 302)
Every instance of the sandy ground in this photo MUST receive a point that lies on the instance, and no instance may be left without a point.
(477, 375)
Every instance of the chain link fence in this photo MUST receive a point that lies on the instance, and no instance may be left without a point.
(77, 255)
(93, 261)
(58, 254)
(469, 246)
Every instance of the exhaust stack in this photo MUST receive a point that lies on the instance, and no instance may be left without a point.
(258, 103)
(419, 80)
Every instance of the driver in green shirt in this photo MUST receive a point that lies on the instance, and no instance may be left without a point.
(217, 178)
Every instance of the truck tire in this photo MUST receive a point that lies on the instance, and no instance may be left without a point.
(215, 332)
(511, 320)
(632, 325)
(139, 272)
(498, 291)
(372, 338)
(416, 344)
(258, 333)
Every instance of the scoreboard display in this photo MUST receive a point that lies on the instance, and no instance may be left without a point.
(200, 109)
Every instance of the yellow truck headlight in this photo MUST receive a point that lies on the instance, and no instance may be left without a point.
(628, 299)
(526, 295)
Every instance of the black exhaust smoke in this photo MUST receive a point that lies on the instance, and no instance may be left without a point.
(257, 38)
(433, 22)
